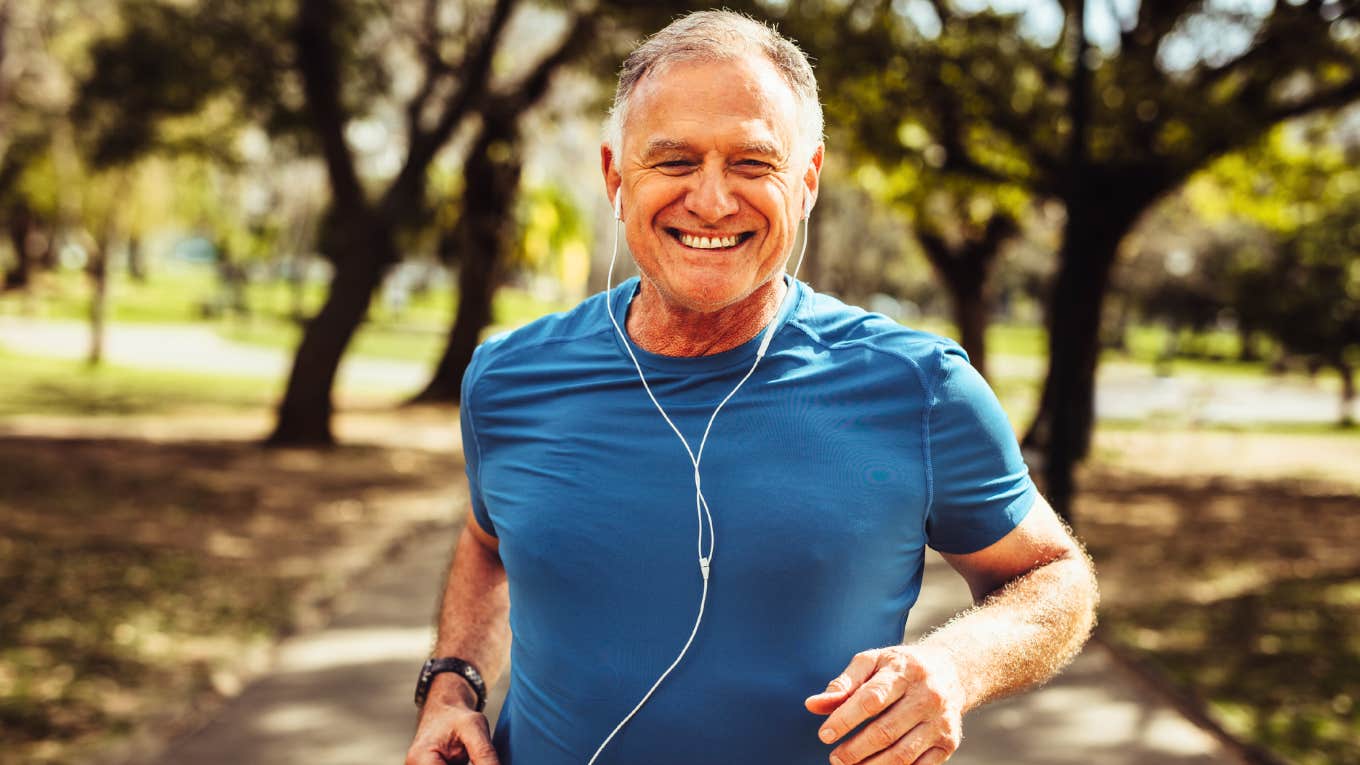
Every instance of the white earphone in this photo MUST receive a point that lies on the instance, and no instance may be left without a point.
(705, 516)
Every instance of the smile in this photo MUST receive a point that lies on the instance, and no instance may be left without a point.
(709, 242)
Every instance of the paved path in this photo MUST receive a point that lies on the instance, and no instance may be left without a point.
(192, 348)
(1125, 391)
(342, 695)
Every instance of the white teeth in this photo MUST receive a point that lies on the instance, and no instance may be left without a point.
(706, 243)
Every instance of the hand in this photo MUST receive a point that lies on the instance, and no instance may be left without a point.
(911, 697)
(450, 729)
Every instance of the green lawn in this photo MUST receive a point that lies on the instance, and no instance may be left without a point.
(36, 386)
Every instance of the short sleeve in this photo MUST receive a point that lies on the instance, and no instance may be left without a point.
(472, 451)
(981, 487)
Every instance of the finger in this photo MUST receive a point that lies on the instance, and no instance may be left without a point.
(876, 695)
(476, 738)
(933, 756)
(896, 730)
(900, 754)
(420, 754)
(861, 667)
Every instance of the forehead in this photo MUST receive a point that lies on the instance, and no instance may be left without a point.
(741, 100)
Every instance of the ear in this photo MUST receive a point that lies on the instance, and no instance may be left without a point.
(812, 179)
(613, 181)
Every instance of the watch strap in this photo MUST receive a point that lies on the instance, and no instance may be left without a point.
(441, 665)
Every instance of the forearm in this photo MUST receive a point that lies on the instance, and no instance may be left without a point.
(1023, 633)
(473, 616)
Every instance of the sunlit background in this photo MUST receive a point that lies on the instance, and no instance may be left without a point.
(229, 224)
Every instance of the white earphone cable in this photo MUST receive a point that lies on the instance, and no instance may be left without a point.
(701, 508)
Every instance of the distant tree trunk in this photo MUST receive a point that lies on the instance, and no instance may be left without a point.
(480, 241)
(98, 269)
(965, 269)
(1347, 394)
(970, 310)
(1062, 426)
(304, 416)
(136, 262)
(19, 275)
(1248, 351)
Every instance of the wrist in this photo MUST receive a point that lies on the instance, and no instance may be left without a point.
(435, 669)
(947, 670)
(452, 689)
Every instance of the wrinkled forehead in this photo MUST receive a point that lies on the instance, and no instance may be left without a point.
(743, 97)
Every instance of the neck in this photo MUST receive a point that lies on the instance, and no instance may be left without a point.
(668, 330)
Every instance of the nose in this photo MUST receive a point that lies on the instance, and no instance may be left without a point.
(711, 199)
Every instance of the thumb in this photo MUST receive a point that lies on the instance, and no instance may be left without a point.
(478, 745)
(827, 701)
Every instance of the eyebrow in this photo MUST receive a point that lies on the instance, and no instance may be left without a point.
(664, 145)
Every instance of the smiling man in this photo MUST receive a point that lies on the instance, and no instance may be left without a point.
(701, 499)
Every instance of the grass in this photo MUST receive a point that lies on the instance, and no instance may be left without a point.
(140, 577)
(1239, 582)
(41, 386)
(1278, 666)
(184, 293)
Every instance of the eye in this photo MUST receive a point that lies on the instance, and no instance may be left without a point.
(754, 165)
(675, 166)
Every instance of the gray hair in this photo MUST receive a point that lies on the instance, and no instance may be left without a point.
(719, 36)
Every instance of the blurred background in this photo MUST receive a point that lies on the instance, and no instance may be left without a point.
(287, 223)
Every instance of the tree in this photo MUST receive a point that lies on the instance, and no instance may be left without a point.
(484, 234)
(1298, 186)
(1106, 129)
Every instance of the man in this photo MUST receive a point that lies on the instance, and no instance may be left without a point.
(834, 458)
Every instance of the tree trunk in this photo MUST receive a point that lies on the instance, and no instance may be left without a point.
(98, 269)
(304, 416)
(482, 238)
(136, 263)
(20, 274)
(1347, 394)
(965, 270)
(1062, 427)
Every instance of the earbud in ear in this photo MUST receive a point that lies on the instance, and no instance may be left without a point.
(807, 206)
(618, 204)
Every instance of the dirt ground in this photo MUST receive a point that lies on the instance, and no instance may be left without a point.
(1231, 561)
(149, 563)
(146, 575)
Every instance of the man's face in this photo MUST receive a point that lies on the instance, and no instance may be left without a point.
(712, 179)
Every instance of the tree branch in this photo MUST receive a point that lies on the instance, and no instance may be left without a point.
(435, 70)
(535, 84)
(1334, 98)
(318, 61)
(474, 80)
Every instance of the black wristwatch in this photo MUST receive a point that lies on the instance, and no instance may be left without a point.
(450, 664)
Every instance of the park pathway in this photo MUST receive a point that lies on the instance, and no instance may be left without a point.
(1124, 391)
(342, 695)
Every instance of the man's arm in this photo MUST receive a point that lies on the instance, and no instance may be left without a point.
(1036, 596)
(474, 626)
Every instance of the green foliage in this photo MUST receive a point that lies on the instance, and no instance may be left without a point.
(181, 77)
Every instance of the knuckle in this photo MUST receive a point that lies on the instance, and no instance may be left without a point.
(875, 698)
(933, 697)
(880, 734)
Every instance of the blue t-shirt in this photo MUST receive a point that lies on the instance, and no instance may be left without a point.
(855, 444)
